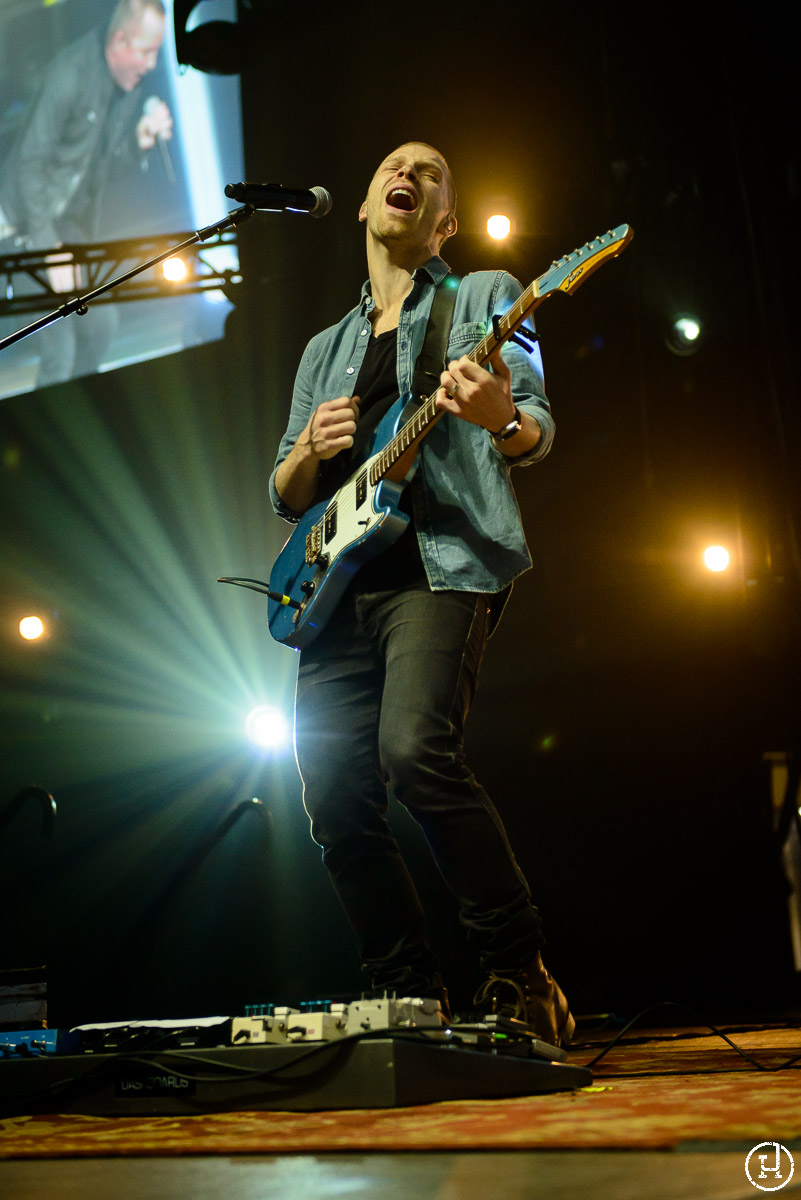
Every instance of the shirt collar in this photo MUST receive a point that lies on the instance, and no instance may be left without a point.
(435, 270)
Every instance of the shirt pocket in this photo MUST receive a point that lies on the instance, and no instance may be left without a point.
(464, 337)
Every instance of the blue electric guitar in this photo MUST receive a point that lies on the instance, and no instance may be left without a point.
(335, 537)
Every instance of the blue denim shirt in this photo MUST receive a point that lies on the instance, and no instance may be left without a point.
(466, 516)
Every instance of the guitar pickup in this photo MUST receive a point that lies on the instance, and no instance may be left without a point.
(330, 522)
(361, 489)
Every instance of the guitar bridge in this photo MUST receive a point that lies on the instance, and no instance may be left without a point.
(314, 544)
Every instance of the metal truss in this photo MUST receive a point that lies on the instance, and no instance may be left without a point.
(27, 286)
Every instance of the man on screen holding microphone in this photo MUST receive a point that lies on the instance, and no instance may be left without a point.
(89, 113)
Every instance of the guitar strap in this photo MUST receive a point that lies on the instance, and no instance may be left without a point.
(431, 360)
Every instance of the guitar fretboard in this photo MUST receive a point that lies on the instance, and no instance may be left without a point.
(426, 416)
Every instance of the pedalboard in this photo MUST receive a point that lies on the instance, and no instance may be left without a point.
(370, 1053)
(276, 1025)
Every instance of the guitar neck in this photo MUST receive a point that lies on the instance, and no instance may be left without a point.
(426, 416)
(565, 275)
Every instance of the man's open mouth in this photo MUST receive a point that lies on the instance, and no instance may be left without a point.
(403, 199)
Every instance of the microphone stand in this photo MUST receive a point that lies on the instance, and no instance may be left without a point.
(80, 304)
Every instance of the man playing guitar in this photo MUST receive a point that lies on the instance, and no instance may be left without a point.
(385, 687)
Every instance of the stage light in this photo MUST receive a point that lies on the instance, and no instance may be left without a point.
(216, 47)
(267, 727)
(684, 335)
(31, 628)
(687, 328)
(547, 743)
(499, 227)
(174, 270)
(716, 558)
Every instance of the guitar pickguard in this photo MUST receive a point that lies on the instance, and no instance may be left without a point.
(334, 538)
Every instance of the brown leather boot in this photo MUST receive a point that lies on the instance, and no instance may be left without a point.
(533, 996)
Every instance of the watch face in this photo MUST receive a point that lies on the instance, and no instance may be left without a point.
(514, 426)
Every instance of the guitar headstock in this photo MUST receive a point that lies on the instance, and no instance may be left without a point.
(564, 275)
(568, 273)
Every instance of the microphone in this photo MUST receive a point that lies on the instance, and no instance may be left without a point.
(148, 108)
(275, 198)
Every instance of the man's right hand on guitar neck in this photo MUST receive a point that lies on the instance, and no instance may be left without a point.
(330, 428)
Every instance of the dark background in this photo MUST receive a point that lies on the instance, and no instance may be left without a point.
(628, 697)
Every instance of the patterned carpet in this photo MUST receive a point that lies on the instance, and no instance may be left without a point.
(672, 1089)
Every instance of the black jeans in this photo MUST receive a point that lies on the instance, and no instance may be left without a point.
(382, 697)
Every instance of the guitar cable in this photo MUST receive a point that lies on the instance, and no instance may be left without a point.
(257, 585)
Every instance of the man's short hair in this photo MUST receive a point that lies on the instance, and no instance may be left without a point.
(448, 174)
(128, 11)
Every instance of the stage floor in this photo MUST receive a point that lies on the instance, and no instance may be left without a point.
(670, 1113)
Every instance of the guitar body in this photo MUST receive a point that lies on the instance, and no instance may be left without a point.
(333, 539)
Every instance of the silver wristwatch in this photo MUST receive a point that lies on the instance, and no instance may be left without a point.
(509, 430)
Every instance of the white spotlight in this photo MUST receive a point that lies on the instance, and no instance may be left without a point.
(174, 270)
(267, 727)
(716, 558)
(499, 227)
(31, 628)
(684, 335)
(688, 329)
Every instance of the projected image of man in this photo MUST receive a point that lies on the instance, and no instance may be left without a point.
(89, 115)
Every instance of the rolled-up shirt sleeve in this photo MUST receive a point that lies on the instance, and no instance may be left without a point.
(302, 404)
(528, 380)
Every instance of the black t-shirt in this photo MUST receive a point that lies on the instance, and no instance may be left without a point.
(400, 565)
